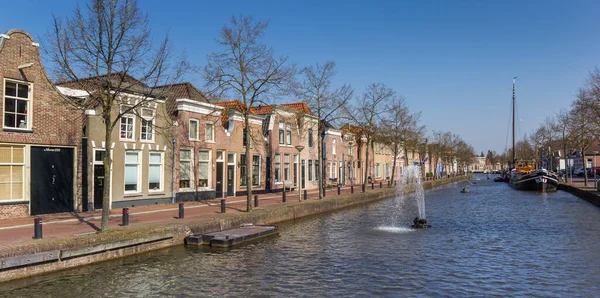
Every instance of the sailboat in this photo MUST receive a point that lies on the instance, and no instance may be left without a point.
(524, 175)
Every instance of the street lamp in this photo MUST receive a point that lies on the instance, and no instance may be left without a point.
(299, 148)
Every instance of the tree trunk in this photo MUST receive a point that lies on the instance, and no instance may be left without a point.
(321, 162)
(366, 169)
(248, 164)
(395, 152)
(107, 174)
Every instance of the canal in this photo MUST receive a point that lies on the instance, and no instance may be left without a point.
(491, 241)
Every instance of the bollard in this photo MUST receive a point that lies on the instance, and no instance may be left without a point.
(181, 215)
(380, 184)
(255, 201)
(364, 187)
(338, 190)
(324, 191)
(305, 194)
(372, 185)
(37, 228)
(389, 183)
(351, 188)
(222, 205)
(283, 198)
(125, 217)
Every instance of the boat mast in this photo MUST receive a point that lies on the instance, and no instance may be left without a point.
(514, 158)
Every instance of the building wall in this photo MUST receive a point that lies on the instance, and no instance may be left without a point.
(51, 123)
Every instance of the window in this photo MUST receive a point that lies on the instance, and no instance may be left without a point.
(209, 132)
(281, 133)
(310, 164)
(155, 171)
(193, 130)
(387, 170)
(12, 170)
(132, 171)
(16, 105)
(334, 172)
(185, 168)
(333, 147)
(317, 170)
(310, 137)
(330, 170)
(127, 123)
(204, 169)
(377, 170)
(256, 170)
(277, 168)
(243, 171)
(147, 133)
(99, 155)
(286, 167)
(289, 133)
(350, 149)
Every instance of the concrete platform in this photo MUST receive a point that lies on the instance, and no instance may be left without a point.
(233, 237)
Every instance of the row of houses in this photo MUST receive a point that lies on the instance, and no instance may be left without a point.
(177, 147)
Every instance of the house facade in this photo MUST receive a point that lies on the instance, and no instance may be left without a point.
(41, 136)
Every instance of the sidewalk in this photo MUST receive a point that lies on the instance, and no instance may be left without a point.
(580, 183)
(19, 231)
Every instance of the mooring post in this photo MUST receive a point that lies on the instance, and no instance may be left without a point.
(352, 188)
(372, 185)
(364, 187)
(380, 184)
(125, 217)
(255, 201)
(222, 205)
(37, 228)
(305, 194)
(338, 190)
(283, 198)
(324, 191)
(181, 215)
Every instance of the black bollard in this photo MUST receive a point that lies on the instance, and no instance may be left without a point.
(338, 190)
(380, 184)
(364, 187)
(324, 191)
(351, 188)
(37, 228)
(181, 215)
(222, 205)
(372, 185)
(305, 195)
(255, 201)
(125, 217)
(283, 198)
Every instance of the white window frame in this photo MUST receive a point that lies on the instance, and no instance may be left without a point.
(281, 133)
(161, 169)
(149, 119)
(190, 137)
(288, 134)
(333, 147)
(11, 164)
(130, 116)
(310, 170)
(277, 163)
(329, 165)
(310, 138)
(29, 100)
(139, 172)
(212, 134)
(377, 170)
(252, 178)
(208, 168)
(191, 168)
(286, 168)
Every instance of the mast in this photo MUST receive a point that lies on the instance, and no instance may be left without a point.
(514, 159)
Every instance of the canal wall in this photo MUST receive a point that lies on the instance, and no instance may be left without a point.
(23, 261)
(582, 194)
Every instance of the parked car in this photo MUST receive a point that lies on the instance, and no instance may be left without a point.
(593, 171)
(580, 172)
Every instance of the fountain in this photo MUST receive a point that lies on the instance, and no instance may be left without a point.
(412, 176)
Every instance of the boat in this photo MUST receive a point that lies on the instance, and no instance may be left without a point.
(524, 175)
(499, 179)
(420, 223)
(464, 190)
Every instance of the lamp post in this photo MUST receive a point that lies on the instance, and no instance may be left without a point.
(299, 148)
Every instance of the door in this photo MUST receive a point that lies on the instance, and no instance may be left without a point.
(268, 174)
(303, 174)
(98, 185)
(51, 180)
(230, 178)
(219, 189)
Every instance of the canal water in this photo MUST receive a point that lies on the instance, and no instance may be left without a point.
(493, 241)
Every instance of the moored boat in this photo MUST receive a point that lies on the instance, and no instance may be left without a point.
(538, 180)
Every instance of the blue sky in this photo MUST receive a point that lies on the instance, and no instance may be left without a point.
(452, 60)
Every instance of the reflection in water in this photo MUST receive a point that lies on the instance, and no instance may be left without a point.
(496, 241)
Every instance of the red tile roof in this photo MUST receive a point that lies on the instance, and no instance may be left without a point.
(300, 106)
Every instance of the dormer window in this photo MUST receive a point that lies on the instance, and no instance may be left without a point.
(127, 123)
(147, 132)
(17, 98)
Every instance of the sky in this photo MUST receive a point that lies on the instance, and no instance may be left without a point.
(452, 60)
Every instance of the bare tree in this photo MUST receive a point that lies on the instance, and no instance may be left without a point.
(371, 106)
(325, 101)
(583, 129)
(109, 41)
(401, 128)
(247, 69)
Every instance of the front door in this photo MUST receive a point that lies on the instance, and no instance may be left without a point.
(219, 189)
(51, 180)
(98, 185)
(303, 174)
(230, 178)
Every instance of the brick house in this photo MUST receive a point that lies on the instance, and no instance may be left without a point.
(40, 149)
(140, 148)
